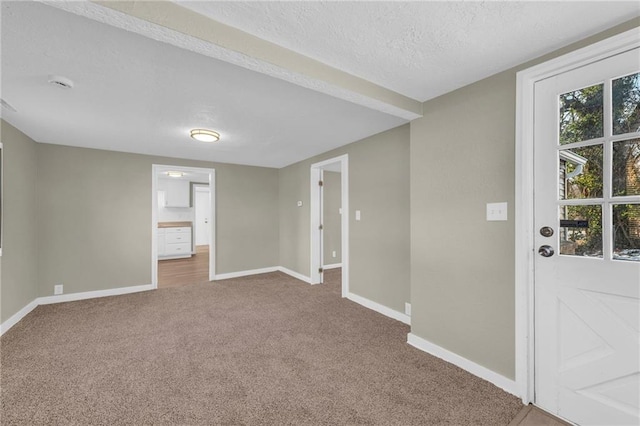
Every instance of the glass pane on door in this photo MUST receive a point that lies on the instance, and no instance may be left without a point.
(580, 172)
(626, 104)
(626, 168)
(626, 232)
(581, 115)
(581, 230)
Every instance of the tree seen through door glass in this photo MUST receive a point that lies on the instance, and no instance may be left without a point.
(581, 115)
(625, 93)
(580, 171)
(626, 232)
(581, 230)
(625, 175)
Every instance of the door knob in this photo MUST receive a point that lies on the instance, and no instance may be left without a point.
(545, 251)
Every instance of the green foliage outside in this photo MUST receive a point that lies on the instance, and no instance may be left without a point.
(581, 118)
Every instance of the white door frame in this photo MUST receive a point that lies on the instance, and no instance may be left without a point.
(316, 171)
(155, 169)
(525, 249)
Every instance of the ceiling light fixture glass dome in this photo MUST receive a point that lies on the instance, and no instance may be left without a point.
(204, 135)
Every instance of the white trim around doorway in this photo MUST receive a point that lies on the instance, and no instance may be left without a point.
(316, 170)
(524, 253)
(155, 168)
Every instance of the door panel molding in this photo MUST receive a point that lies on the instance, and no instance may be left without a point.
(524, 212)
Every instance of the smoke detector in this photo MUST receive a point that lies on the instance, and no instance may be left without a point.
(62, 82)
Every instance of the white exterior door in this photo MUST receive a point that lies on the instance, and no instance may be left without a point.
(587, 234)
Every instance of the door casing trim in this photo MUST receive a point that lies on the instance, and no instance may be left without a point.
(524, 216)
(155, 170)
(315, 218)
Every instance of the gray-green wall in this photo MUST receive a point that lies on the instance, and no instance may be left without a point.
(462, 267)
(20, 207)
(379, 243)
(331, 218)
(94, 218)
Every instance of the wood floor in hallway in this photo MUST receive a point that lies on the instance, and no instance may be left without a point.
(181, 272)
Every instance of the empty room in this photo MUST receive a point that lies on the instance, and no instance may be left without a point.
(320, 212)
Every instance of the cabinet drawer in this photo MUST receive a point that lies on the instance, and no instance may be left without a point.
(177, 231)
(178, 238)
(179, 248)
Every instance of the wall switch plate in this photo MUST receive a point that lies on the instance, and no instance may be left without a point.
(340, 210)
(299, 203)
(496, 211)
(58, 289)
(357, 214)
(334, 254)
(407, 308)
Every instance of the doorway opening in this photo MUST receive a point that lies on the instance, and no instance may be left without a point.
(329, 207)
(183, 225)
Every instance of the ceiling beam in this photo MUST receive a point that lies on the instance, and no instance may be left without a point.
(173, 24)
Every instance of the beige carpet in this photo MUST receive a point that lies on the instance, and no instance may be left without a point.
(266, 349)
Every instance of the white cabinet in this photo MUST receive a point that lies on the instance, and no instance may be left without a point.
(174, 243)
(176, 193)
(161, 240)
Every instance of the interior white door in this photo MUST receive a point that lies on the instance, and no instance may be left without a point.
(203, 216)
(587, 273)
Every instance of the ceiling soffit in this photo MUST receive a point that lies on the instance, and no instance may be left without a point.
(173, 24)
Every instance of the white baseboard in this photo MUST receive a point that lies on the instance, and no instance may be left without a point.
(332, 266)
(499, 380)
(245, 273)
(294, 274)
(71, 297)
(13, 320)
(47, 300)
(384, 310)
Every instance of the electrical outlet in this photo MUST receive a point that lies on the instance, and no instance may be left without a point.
(58, 289)
(334, 254)
(407, 308)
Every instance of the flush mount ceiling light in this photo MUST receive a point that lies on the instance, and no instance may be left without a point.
(175, 174)
(204, 135)
(59, 81)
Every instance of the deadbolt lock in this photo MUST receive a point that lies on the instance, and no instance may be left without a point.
(546, 231)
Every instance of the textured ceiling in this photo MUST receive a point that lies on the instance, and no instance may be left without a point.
(140, 85)
(420, 49)
(134, 94)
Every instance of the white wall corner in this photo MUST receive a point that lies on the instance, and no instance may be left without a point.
(497, 379)
(384, 310)
(294, 274)
(15, 318)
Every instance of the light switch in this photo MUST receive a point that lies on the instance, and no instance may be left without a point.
(299, 203)
(496, 211)
(340, 210)
(357, 214)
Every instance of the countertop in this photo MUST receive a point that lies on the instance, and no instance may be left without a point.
(175, 224)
